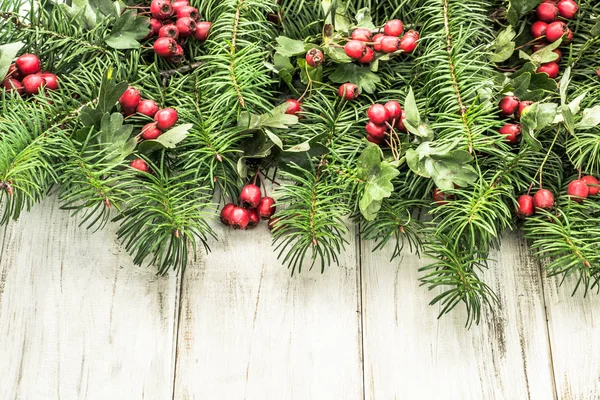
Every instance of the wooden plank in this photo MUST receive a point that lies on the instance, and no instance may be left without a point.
(410, 354)
(250, 331)
(574, 328)
(77, 319)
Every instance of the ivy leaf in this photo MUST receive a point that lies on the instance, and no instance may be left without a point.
(289, 47)
(360, 76)
(128, 29)
(7, 54)
(591, 118)
(377, 176)
(534, 118)
(503, 46)
(363, 19)
(277, 118)
(167, 140)
(546, 54)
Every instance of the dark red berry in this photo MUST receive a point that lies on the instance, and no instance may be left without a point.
(226, 213)
(178, 5)
(378, 114)
(400, 122)
(51, 80)
(314, 57)
(567, 8)
(150, 131)
(413, 33)
(578, 190)
(250, 196)
(266, 207)
(551, 68)
(440, 198)
(178, 56)
(538, 29)
(161, 9)
(543, 198)
(569, 38)
(547, 12)
(394, 110)
(33, 83)
(11, 84)
(139, 164)
(368, 57)
(593, 184)
(522, 106)
(355, 49)
(293, 106)
(28, 64)
(508, 105)
(511, 132)
(375, 140)
(408, 43)
(169, 31)
(555, 31)
(377, 41)
(155, 26)
(239, 218)
(131, 98)
(253, 218)
(188, 11)
(348, 91)
(165, 118)
(390, 44)
(393, 27)
(202, 30)
(525, 206)
(13, 72)
(186, 26)
(147, 108)
(361, 34)
(165, 47)
(376, 131)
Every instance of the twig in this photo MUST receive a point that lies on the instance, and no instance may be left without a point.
(186, 68)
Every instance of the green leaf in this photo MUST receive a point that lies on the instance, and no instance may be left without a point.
(363, 77)
(535, 118)
(519, 8)
(546, 54)
(363, 18)
(167, 140)
(377, 176)
(274, 138)
(368, 163)
(526, 84)
(106, 7)
(112, 129)
(255, 147)
(591, 118)
(315, 74)
(289, 47)
(109, 92)
(569, 119)
(7, 54)
(336, 54)
(128, 29)
(277, 118)
(503, 46)
(595, 29)
(564, 86)
(81, 8)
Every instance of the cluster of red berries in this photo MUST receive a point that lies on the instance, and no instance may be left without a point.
(550, 29)
(382, 118)
(253, 208)
(512, 106)
(26, 77)
(173, 23)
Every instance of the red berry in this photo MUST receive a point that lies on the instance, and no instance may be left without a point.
(393, 27)
(511, 132)
(525, 206)
(547, 12)
(293, 106)
(569, 38)
(165, 47)
(147, 108)
(131, 98)
(127, 111)
(33, 84)
(377, 41)
(375, 130)
(266, 207)
(169, 31)
(394, 110)
(166, 118)
(413, 33)
(538, 29)
(558, 53)
(253, 218)
(390, 44)
(226, 213)
(593, 184)
(551, 68)
(378, 114)
(408, 43)
(178, 56)
(361, 34)
(355, 49)
(188, 11)
(161, 9)
(555, 31)
(28, 64)
(375, 140)
(578, 190)
(150, 131)
(567, 8)
(543, 198)
(178, 5)
(202, 29)
(314, 57)
(51, 80)
(348, 91)
(440, 198)
(239, 218)
(400, 122)
(186, 26)
(250, 196)
(139, 164)
(368, 57)
(508, 105)
(11, 84)
(522, 106)
(13, 72)
(155, 26)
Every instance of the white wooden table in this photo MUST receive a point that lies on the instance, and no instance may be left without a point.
(79, 321)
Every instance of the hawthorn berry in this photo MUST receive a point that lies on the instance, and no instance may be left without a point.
(253, 218)
(567, 8)
(400, 122)
(413, 33)
(186, 26)
(408, 43)
(511, 132)
(155, 26)
(375, 140)
(394, 110)
(239, 218)
(570, 36)
(556, 30)
(390, 44)
(226, 213)
(547, 12)
(202, 30)
(150, 131)
(11, 84)
(178, 5)
(361, 34)
(376, 40)
(33, 83)
(266, 207)
(355, 49)
(440, 198)
(508, 105)
(543, 198)
(551, 68)
(375, 130)
(593, 184)
(348, 91)
(368, 57)
(393, 27)
(378, 114)
(147, 108)
(525, 206)
(161, 9)
(51, 80)
(165, 47)
(130, 98)
(538, 29)
(28, 64)
(578, 190)
(188, 11)
(13, 72)
(139, 164)
(250, 196)
(314, 57)
(293, 106)
(165, 118)
(522, 106)
(169, 31)
(178, 56)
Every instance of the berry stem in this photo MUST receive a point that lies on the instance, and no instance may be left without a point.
(530, 42)
(540, 171)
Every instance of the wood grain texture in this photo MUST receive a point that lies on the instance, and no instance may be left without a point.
(77, 319)
(574, 327)
(410, 354)
(250, 331)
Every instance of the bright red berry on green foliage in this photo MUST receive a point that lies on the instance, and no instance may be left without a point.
(239, 218)
(293, 106)
(547, 12)
(578, 190)
(378, 114)
(150, 131)
(33, 83)
(178, 5)
(51, 80)
(567, 8)
(355, 49)
(13, 72)
(538, 29)
(522, 106)
(377, 41)
(166, 118)
(390, 44)
(368, 57)
(362, 34)
(253, 218)
(400, 122)
(28, 64)
(393, 27)
(408, 43)
(525, 206)
(147, 108)
(543, 198)
(155, 26)
(226, 213)
(165, 47)
(394, 110)
(161, 9)
(186, 26)
(508, 105)
(593, 184)
(375, 130)
(250, 196)
(348, 91)
(11, 84)
(188, 11)
(555, 31)
(202, 30)
(551, 68)
(131, 98)
(169, 31)
(511, 132)
(314, 57)
(139, 164)
(266, 207)
(569, 38)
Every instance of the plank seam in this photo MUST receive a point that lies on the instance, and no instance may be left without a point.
(552, 374)
(176, 323)
(361, 305)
